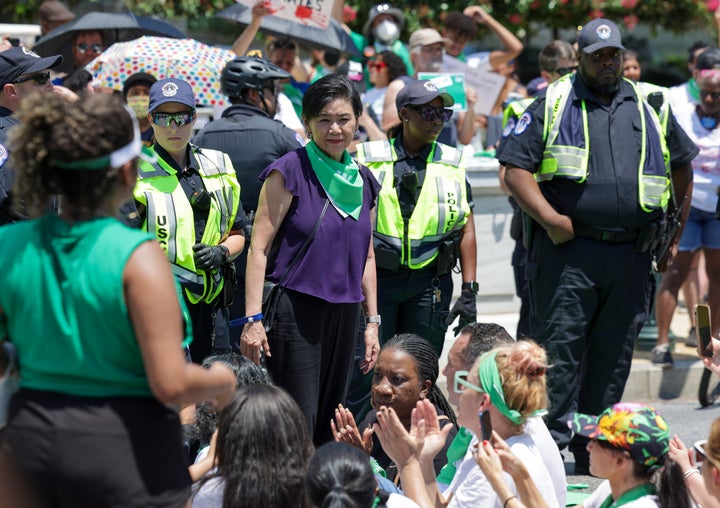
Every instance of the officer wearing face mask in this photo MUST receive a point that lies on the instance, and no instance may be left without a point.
(382, 32)
(136, 92)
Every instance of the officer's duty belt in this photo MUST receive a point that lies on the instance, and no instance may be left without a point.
(605, 235)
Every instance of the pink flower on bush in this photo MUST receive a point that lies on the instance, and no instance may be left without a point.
(515, 19)
(712, 5)
(630, 21)
(629, 4)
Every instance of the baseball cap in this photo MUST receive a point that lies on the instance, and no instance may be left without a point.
(15, 62)
(637, 428)
(425, 37)
(419, 92)
(171, 90)
(139, 78)
(52, 10)
(598, 34)
(708, 59)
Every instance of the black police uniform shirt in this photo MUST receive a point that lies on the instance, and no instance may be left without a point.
(609, 196)
(6, 175)
(253, 141)
(191, 182)
(409, 171)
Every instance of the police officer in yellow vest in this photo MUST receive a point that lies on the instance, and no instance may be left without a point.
(592, 164)
(424, 225)
(189, 198)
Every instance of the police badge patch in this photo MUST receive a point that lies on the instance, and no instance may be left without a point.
(509, 127)
(523, 123)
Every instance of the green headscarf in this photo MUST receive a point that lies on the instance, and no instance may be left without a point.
(340, 180)
(492, 384)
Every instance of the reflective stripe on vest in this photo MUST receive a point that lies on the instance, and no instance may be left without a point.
(441, 209)
(170, 216)
(571, 161)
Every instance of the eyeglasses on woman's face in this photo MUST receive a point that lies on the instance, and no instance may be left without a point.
(699, 455)
(377, 66)
(461, 382)
(83, 48)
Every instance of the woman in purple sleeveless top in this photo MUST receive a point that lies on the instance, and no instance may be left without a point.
(310, 349)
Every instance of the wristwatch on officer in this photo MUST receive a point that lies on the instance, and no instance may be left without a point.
(472, 286)
(373, 319)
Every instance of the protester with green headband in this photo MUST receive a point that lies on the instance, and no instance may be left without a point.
(312, 236)
(509, 384)
(629, 444)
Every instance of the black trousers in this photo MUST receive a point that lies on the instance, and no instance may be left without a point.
(79, 452)
(405, 303)
(211, 331)
(589, 301)
(312, 344)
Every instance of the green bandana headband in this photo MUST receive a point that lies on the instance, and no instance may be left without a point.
(492, 384)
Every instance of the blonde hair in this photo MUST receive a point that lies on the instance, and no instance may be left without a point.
(522, 367)
(712, 448)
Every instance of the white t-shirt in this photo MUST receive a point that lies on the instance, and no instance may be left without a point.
(471, 489)
(400, 501)
(286, 113)
(375, 100)
(549, 454)
(679, 97)
(598, 497)
(706, 166)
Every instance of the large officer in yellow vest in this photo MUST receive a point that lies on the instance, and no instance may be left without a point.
(424, 224)
(189, 198)
(592, 163)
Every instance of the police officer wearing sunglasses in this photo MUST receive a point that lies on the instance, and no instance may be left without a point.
(424, 226)
(189, 199)
(22, 72)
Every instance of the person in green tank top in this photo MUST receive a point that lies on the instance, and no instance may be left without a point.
(93, 312)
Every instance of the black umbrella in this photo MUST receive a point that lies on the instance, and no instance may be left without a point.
(121, 26)
(333, 38)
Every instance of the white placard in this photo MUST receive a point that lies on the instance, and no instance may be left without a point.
(488, 85)
(314, 13)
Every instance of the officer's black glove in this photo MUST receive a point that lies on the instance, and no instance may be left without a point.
(210, 257)
(466, 308)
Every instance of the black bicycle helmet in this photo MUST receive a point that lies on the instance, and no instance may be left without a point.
(248, 72)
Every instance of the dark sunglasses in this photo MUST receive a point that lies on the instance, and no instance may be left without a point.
(430, 113)
(83, 47)
(699, 456)
(566, 70)
(39, 79)
(378, 66)
(715, 96)
(180, 119)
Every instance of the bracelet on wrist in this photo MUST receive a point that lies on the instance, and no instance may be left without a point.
(508, 500)
(246, 319)
(687, 474)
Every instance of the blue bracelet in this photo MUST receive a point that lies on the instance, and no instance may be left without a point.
(246, 319)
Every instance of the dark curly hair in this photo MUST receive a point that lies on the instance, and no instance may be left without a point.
(52, 129)
(246, 373)
(395, 65)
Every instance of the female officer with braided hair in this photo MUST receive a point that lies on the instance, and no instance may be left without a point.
(406, 372)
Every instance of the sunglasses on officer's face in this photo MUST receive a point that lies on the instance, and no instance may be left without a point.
(180, 119)
(39, 79)
(430, 113)
(563, 71)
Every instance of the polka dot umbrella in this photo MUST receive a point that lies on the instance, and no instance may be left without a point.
(197, 63)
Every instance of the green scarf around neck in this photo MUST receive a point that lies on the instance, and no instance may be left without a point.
(340, 180)
(492, 384)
